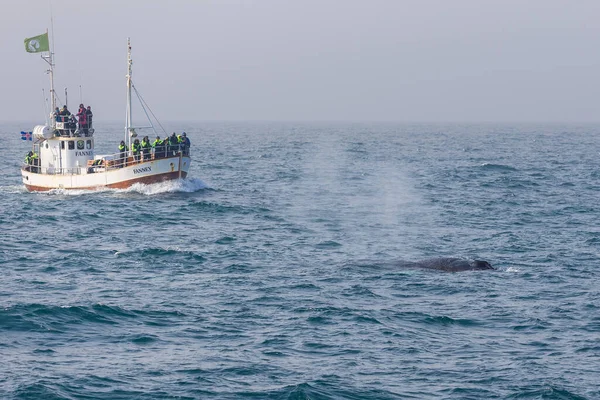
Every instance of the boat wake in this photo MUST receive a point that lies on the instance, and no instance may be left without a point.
(189, 185)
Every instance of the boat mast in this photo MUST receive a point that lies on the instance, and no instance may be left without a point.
(129, 131)
(50, 60)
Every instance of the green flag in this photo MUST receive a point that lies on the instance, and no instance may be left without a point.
(37, 44)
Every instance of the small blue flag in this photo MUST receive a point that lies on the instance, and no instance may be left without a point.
(26, 136)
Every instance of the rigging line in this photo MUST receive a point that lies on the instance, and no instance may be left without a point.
(149, 109)
(144, 108)
(59, 100)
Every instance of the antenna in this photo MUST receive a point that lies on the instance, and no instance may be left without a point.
(51, 57)
(50, 72)
(52, 25)
(129, 130)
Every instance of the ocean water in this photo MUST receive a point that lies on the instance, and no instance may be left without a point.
(272, 272)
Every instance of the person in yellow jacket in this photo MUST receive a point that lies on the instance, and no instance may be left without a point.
(136, 149)
(159, 148)
(146, 148)
(123, 156)
(35, 162)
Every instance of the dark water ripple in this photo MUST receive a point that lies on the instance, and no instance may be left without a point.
(274, 272)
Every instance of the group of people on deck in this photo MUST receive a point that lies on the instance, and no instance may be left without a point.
(81, 120)
(168, 147)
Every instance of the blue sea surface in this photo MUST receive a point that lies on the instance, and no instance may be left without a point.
(273, 272)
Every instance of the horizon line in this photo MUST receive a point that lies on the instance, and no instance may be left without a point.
(337, 121)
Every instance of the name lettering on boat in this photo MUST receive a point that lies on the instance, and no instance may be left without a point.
(83, 153)
(141, 170)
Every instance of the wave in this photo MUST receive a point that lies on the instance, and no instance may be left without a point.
(499, 167)
(42, 318)
(545, 391)
(55, 318)
(328, 387)
(217, 208)
(13, 189)
(328, 244)
(156, 254)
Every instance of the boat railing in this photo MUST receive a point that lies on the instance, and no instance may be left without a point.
(73, 129)
(114, 161)
(127, 158)
(52, 170)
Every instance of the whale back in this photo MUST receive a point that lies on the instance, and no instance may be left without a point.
(451, 264)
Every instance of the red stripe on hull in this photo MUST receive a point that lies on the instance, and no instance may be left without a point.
(147, 180)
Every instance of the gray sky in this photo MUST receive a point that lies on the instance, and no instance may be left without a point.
(310, 60)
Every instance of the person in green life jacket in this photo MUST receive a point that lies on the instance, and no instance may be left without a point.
(159, 148)
(28, 161)
(180, 143)
(173, 145)
(123, 156)
(146, 148)
(136, 148)
(35, 162)
(32, 161)
(96, 164)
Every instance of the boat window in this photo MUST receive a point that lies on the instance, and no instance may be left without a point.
(80, 145)
(46, 144)
(89, 144)
(62, 145)
(71, 145)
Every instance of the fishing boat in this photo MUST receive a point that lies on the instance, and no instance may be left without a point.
(63, 156)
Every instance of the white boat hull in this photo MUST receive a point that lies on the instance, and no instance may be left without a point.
(147, 172)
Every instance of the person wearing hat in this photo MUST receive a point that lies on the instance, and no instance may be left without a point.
(123, 156)
(63, 116)
(170, 142)
(136, 148)
(146, 148)
(71, 125)
(185, 144)
(89, 114)
(65, 113)
(32, 161)
(159, 148)
(82, 120)
(28, 161)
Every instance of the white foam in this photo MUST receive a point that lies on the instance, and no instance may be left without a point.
(174, 186)
(70, 192)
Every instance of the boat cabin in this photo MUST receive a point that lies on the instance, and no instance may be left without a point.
(60, 154)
